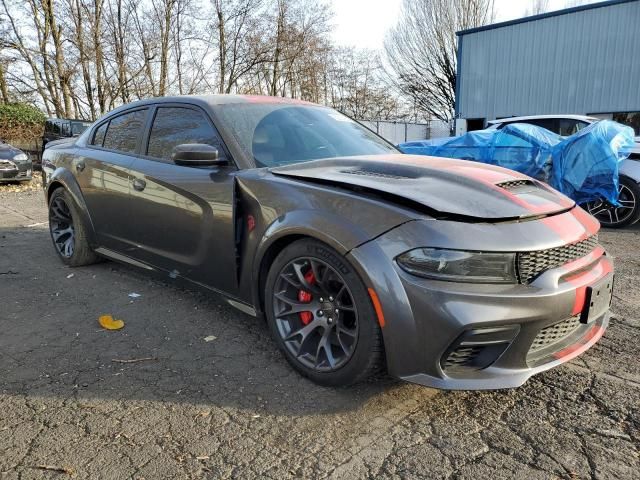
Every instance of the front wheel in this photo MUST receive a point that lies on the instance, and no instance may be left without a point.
(321, 316)
(628, 211)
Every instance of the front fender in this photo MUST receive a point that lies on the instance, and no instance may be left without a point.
(631, 169)
(62, 177)
(400, 332)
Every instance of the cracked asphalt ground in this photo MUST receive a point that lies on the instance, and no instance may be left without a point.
(232, 408)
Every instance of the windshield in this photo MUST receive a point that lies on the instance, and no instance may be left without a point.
(280, 134)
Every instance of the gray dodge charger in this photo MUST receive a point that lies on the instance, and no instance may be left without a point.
(442, 272)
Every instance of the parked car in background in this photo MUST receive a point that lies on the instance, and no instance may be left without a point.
(60, 129)
(450, 273)
(15, 165)
(628, 210)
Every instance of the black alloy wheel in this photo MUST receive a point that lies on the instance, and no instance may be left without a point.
(617, 216)
(315, 314)
(61, 226)
(321, 316)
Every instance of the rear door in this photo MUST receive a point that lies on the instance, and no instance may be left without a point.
(182, 216)
(104, 176)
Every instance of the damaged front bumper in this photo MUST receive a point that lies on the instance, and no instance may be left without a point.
(455, 335)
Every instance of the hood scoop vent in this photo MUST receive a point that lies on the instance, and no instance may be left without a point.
(517, 185)
(369, 173)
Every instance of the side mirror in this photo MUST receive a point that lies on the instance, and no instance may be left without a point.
(196, 155)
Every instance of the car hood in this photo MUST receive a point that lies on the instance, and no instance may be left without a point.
(440, 187)
(60, 141)
(7, 152)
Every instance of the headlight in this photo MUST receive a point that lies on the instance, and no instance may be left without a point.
(460, 266)
(21, 157)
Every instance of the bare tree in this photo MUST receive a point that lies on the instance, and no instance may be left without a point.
(355, 86)
(421, 50)
(537, 7)
(84, 57)
(239, 49)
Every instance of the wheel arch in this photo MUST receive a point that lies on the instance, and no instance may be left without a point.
(296, 226)
(63, 178)
(267, 259)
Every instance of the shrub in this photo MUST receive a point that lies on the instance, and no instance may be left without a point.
(21, 121)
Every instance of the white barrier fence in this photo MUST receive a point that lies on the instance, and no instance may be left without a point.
(399, 132)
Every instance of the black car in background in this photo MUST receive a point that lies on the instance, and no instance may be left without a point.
(61, 128)
(15, 165)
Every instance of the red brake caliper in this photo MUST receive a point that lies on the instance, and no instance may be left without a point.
(306, 297)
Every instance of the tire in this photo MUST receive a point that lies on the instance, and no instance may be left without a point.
(68, 231)
(619, 217)
(342, 331)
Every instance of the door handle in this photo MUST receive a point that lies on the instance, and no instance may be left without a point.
(80, 166)
(139, 184)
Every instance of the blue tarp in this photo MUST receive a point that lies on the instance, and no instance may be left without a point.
(583, 166)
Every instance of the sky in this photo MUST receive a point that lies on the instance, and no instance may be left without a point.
(363, 23)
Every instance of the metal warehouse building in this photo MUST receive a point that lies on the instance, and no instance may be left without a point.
(582, 60)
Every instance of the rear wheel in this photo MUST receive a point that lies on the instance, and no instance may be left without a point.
(68, 232)
(627, 213)
(321, 316)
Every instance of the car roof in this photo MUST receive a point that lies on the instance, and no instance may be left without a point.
(56, 119)
(210, 101)
(542, 117)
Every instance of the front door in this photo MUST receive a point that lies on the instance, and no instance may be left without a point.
(183, 216)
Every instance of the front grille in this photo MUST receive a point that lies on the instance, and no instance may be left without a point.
(554, 333)
(532, 264)
(7, 165)
(462, 356)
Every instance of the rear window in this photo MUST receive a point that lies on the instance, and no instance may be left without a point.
(124, 130)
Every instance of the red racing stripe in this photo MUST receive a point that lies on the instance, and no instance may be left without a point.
(593, 335)
(590, 223)
(581, 280)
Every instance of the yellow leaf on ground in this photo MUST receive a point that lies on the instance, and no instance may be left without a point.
(107, 321)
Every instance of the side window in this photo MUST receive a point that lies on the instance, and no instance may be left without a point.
(98, 135)
(176, 125)
(124, 130)
(569, 126)
(66, 129)
(57, 127)
(548, 123)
